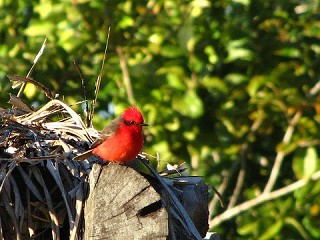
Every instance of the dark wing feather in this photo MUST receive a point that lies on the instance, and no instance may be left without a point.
(107, 132)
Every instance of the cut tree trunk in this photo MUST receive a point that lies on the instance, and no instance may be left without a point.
(123, 205)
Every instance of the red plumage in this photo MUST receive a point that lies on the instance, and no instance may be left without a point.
(121, 140)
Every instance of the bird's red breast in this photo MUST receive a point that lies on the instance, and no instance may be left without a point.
(122, 139)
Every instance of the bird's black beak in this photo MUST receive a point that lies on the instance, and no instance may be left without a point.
(143, 124)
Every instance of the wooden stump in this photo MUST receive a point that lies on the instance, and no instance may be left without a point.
(122, 205)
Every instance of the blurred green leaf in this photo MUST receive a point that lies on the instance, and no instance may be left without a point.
(176, 82)
(212, 55)
(40, 29)
(215, 83)
(171, 51)
(310, 162)
(177, 70)
(248, 228)
(289, 52)
(272, 230)
(173, 126)
(312, 226)
(236, 78)
(184, 36)
(255, 84)
(189, 105)
(297, 226)
(125, 22)
(298, 164)
(236, 50)
(286, 148)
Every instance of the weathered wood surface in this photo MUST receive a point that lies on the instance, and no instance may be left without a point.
(123, 205)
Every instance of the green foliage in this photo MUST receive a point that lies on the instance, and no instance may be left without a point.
(203, 73)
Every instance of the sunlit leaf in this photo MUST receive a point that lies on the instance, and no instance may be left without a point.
(176, 81)
(286, 147)
(298, 165)
(289, 52)
(31, 91)
(272, 231)
(163, 149)
(236, 78)
(171, 69)
(215, 83)
(189, 105)
(171, 51)
(255, 84)
(238, 51)
(156, 38)
(39, 29)
(297, 226)
(310, 162)
(125, 22)
(173, 126)
(248, 228)
(212, 55)
(312, 226)
(184, 36)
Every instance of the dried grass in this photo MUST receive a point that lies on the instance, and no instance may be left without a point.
(41, 188)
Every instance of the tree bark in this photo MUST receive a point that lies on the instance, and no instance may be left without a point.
(122, 205)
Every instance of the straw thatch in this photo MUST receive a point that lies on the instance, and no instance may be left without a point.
(41, 188)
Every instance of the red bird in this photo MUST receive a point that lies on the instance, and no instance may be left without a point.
(121, 140)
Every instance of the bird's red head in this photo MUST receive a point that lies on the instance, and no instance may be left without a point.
(133, 116)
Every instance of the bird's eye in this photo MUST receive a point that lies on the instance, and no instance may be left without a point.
(129, 123)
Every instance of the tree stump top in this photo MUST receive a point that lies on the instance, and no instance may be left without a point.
(123, 205)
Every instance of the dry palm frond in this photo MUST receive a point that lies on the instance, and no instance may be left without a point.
(41, 188)
(42, 191)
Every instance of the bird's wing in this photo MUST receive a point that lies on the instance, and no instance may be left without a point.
(107, 132)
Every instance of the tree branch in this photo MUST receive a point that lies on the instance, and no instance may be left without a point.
(281, 154)
(126, 76)
(24, 84)
(230, 213)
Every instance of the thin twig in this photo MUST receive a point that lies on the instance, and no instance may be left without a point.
(32, 67)
(237, 189)
(222, 188)
(216, 198)
(254, 127)
(33, 159)
(126, 76)
(243, 152)
(84, 91)
(232, 212)
(286, 139)
(316, 88)
(222, 203)
(281, 154)
(309, 143)
(46, 90)
(98, 82)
